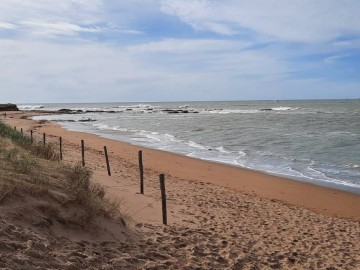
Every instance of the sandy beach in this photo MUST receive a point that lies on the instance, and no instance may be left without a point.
(219, 216)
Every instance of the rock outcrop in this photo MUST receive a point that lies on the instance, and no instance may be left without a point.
(8, 107)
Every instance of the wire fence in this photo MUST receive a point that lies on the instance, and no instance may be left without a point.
(57, 142)
(145, 207)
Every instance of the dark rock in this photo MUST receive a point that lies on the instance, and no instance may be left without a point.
(178, 111)
(69, 111)
(8, 107)
(65, 110)
(87, 120)
(170, 111)
(61, 120)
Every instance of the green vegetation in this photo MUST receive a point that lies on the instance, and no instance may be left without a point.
(38, 149)
(8, 132)
(49, 191)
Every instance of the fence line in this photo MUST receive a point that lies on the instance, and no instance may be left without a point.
(48, 139)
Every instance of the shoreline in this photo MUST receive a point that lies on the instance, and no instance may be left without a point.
(319, 199)
(330, 167)
(304, 179)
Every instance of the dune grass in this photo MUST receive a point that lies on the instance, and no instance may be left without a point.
(55, 191)
(48, 151)
(7, 131)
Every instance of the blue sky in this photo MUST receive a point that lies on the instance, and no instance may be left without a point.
(178, 50)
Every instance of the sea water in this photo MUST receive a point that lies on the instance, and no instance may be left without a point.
(313, 141)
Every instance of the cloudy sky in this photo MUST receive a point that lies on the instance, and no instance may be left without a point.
(172, 50)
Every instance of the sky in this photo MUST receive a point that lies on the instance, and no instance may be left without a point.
(178, 50)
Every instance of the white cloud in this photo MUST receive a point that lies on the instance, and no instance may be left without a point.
(165, 65)
(180, 46)
(347, 44)
(54, 29)
(90, 71)
(5, 25)
(197, 14)
(59, 18)
(332, 59)
(189, 11)
(58, 71)
(81, 11)
(296, 20)
(84, 72)
(51, 18)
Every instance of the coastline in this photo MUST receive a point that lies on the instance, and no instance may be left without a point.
(265, 138)
(319, 199)
(219, 217)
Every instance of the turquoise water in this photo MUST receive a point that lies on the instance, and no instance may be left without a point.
(313, 141)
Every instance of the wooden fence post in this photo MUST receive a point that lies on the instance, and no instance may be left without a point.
(60, 144)
(31, 136)
(44, 138)
(141, 171)
(22, 132)
(83, 152)
(107, 161)
(163, 198)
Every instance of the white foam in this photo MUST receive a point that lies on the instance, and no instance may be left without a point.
(196, 145)
(135, 107)
(158, 137)
(231, 111)
(320, 176)
(317, 173)
(222, 149)
(107, 127)
(249, 111)
(101, 126)
(351, 165)
(284, 109)
(30, 107)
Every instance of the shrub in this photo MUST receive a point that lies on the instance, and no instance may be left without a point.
(78, 181)
(47, 152)
(22, 163)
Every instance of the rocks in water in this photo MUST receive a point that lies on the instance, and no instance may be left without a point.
(173, 111)
(69, 111)
(8, 107)
(147, 110)
(65, 111)
(87, 120)
(266, 110)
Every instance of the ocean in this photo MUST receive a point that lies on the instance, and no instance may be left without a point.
(316, 141)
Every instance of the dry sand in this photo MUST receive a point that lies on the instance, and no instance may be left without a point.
(220, 217)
